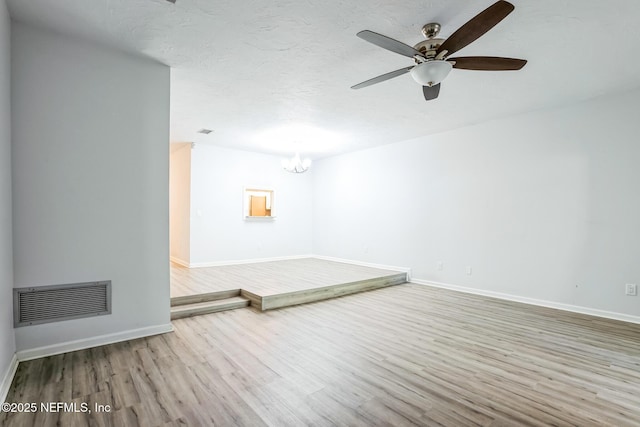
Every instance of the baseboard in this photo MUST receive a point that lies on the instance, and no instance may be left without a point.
(367, 264)
(179, 261)
(247, 261)
(5, 385)
(533, 301)
(51, 350)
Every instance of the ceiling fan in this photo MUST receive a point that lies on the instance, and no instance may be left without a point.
(431, 56)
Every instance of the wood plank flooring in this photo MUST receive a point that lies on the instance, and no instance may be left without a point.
(397, 356)
(269, 278)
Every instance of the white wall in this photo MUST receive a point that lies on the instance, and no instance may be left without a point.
(7, 342)
(90, 180)
(218, 229)
(180, 202)
(544, 205)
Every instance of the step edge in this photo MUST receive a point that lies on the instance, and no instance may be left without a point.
(270, 302)
(396, 280)
(211, 304)
(204, 310)
(204, 297)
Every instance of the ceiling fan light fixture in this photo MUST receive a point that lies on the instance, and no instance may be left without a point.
(430, 73)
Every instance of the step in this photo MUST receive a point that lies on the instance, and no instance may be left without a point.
(209, 296)
(206, 307)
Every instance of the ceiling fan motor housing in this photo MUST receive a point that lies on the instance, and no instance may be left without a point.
(429, 47)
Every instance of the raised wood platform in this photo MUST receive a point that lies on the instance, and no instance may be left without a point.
(276, 284)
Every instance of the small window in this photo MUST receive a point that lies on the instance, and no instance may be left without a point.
(258, 203)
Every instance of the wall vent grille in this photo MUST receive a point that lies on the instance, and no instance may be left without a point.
(46, 304)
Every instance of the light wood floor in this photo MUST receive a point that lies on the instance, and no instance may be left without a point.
(268, 278)
(403, 355)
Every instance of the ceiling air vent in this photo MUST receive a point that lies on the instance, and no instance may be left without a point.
(205, 131)
(46, 304)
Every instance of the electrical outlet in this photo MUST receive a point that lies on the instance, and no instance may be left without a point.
(631, 289)
(440, 266)
(469, 270)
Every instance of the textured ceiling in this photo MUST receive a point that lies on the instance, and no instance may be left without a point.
(275, 76)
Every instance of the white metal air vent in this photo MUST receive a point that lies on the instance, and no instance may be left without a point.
(45, 304)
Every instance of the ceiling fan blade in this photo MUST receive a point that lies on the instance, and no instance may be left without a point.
(389, 43)
(431, 92)
(487, 63)
(382, 78)
(476, 27)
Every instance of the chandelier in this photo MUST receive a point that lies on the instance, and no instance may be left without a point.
(296, 165)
